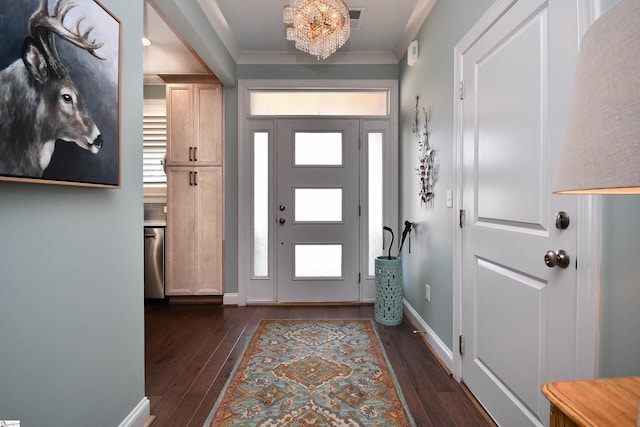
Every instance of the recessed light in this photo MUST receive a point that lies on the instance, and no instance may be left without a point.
(146, 41)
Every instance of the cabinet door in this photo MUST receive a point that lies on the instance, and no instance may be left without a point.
(210, 228)
(180, 120)
(181, 274)
(208, 98)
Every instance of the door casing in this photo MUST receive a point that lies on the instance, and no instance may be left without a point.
(385, 124)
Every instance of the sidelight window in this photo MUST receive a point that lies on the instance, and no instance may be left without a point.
(375, 187)
(260, 204)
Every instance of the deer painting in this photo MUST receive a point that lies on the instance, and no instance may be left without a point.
(39, 102)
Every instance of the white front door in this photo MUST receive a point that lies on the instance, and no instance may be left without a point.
(518, 314)
(317, 210)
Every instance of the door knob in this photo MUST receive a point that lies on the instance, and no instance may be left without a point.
(282, 221)
(558, 258)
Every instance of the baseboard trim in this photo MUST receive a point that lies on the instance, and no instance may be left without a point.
(230, 299)
(436, 344)
(139, 415)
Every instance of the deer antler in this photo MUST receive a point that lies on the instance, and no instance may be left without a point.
(43, 26)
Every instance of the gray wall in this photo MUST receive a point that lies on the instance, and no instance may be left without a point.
(154, 92)
(231, 189)
(430, 260)
(71, 293)
(366, 72)
(620, 287)
(187, 19)
(620, 291)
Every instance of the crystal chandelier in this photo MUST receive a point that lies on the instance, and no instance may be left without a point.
(319, 27)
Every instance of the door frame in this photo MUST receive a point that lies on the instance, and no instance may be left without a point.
(387, 124)
(588, 216)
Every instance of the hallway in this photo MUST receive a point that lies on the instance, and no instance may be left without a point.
(190, 351)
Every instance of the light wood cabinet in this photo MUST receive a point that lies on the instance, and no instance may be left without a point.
(195, 187)
(194, 124)
(194, 231)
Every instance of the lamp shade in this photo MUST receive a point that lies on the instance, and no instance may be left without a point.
(600, 153)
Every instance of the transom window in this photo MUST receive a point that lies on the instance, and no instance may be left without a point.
(373, 103)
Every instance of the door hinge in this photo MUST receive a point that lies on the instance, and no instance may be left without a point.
(461, 89)
(461, 344)
(461, 218)
(359, 210)
(359, 277)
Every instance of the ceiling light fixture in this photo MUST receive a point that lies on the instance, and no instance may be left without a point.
(318, 27)
(146, 41)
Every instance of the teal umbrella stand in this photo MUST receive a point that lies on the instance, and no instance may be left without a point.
(388, 304)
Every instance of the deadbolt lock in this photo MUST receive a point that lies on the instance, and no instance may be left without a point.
(562, 220)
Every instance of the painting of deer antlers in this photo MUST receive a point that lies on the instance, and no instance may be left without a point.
(59, 92)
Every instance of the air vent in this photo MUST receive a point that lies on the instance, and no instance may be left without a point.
(354, 17)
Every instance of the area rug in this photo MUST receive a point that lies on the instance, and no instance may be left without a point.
(312, 373)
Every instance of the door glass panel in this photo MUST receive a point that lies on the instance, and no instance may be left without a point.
(374, 141)
(318, 205)
(260, 204)
(318, 149)
(319, 103)
(318, 261)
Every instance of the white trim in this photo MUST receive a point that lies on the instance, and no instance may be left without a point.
(230, 299)
(441, 349)
(389, 192)
(588, 223)
(244, 192)
(417, 18)
(295, 58)
(456, 365)
(139, 415)
(589, 251)
(215, 16)
(493, 14)
(588, 289)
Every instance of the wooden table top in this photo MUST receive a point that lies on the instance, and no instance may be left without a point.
(597, 402)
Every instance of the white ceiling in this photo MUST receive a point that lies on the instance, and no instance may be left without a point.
(253, 33)
(167, 54)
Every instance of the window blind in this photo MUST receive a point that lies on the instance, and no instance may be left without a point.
(154, 143)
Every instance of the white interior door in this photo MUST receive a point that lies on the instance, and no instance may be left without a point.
(317, 210)
(518, 314)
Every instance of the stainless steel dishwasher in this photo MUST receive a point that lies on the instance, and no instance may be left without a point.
(153, 262)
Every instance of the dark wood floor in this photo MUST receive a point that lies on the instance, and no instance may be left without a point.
(192, 349)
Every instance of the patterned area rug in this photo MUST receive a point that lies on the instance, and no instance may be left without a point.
(312, 373)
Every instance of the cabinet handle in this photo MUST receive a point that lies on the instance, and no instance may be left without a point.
(195, 178)
(190, 178)
(195, 154)
(190, 154)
